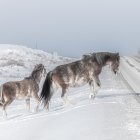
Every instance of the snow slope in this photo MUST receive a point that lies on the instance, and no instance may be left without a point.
(17, 61)
(130, 69)
(113, 115)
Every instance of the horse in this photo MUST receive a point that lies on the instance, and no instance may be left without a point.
(78, 73)
(24, 89)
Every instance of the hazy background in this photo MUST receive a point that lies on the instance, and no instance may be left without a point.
(72, 27)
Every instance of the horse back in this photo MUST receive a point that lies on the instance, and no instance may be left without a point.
(9, 90)
(71, 74)
(19, 89)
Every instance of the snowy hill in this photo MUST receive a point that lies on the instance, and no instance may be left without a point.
(17, 61)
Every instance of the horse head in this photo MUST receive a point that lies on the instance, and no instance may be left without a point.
(38, 72)
(114, 62)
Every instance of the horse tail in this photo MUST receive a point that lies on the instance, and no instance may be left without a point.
(1, 95)
(46, 92)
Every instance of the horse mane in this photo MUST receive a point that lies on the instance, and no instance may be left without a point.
(36, 70)
(87, 57)
(101, 57)
(34, 73)
(28, 78)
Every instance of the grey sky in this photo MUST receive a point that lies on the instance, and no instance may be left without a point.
(72, 27)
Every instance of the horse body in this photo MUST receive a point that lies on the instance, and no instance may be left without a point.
(78, 73)
(75, 74)
(22, 90)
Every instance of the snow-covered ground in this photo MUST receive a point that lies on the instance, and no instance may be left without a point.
(113, 115)
(130, 69)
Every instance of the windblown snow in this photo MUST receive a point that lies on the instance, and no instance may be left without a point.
(113, 115)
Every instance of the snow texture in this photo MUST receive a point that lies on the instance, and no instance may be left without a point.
(112, 115)
(130, 69)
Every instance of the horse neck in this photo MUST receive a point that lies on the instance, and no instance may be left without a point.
(103, 60)
(36, 78)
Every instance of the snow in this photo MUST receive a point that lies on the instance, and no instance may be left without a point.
(130, 69)
(17, 61)
(113, 115)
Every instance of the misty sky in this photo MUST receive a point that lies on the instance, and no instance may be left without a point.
(72, 27)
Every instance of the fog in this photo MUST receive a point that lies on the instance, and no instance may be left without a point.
(72, 27)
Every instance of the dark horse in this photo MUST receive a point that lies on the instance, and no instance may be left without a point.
(24, 89)
(78, 73)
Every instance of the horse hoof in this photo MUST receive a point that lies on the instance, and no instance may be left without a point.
(71, 104)
(91, 96)
(47, 109)
(4, 118)
(35, 111)
(68, 104)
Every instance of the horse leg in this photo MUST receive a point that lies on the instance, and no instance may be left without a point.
(28, 104)
(95, 85)
(5, 104)
(47, 106)
(64, 95)
(98, 83)
(38, 102)
(91, 84)
(4, 111)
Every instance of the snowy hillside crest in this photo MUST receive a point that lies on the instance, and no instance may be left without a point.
(18, 61)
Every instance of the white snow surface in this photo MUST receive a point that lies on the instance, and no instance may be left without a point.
(130, 69)
(113, 115)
